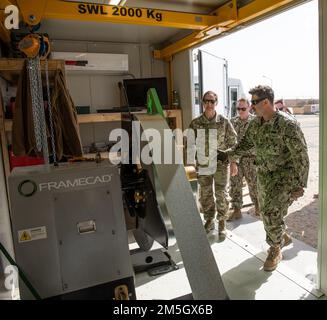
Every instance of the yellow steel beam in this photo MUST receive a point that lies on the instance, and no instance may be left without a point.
(185, 43)
(32, 11)
(58, 9)
(249, 12)
(225, 17)
(225, 14)
(5, 3)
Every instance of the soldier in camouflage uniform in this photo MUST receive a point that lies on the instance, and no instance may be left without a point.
(212, 131)
(282, 166)
(246, 165)
(279, 105)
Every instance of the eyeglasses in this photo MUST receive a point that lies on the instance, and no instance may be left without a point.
(241, 109)
(255, 102)
(209, 101)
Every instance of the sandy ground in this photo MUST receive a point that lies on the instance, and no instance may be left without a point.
(303, 215)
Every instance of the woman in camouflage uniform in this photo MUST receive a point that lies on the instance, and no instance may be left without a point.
(212, 131)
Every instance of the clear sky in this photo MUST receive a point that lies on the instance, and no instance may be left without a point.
(282, 51)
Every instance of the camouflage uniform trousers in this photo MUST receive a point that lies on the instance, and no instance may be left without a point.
(247, 169)
(218, 181)
(274, 193)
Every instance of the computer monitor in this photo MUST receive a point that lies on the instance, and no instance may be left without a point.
(136, 90)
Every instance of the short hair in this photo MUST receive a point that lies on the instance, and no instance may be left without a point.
(244, 100)
(280, 101)
(210, 92)
(263, 92)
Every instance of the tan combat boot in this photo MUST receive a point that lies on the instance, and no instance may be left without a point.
(274, 257)
(222, 227)
(287, 240)
(237, 214)
(209, 225)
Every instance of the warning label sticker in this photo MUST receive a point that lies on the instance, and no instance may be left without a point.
(32, 234)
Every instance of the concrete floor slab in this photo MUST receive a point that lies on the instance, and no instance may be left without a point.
(241, 271)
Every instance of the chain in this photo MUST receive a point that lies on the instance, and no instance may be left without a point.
(42, 115)
(34, 71)
(50, 114)
(32, 78)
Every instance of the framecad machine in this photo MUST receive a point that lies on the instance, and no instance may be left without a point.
(70, 230)
(70, 227)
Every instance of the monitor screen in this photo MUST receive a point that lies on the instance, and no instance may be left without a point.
(136, 90)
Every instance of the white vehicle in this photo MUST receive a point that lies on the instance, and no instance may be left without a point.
(315, 108)
(211, 73)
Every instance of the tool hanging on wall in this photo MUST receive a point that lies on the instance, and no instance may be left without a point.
(40, 131)
(37, 47)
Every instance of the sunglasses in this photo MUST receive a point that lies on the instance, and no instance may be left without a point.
(209, 101)
(255, 102)
(241, 109)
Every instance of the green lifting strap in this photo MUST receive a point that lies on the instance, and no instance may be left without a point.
(153, 103)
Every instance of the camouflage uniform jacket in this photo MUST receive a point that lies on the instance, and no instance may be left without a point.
(240, 127)
(225, 135)
(281, 150)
